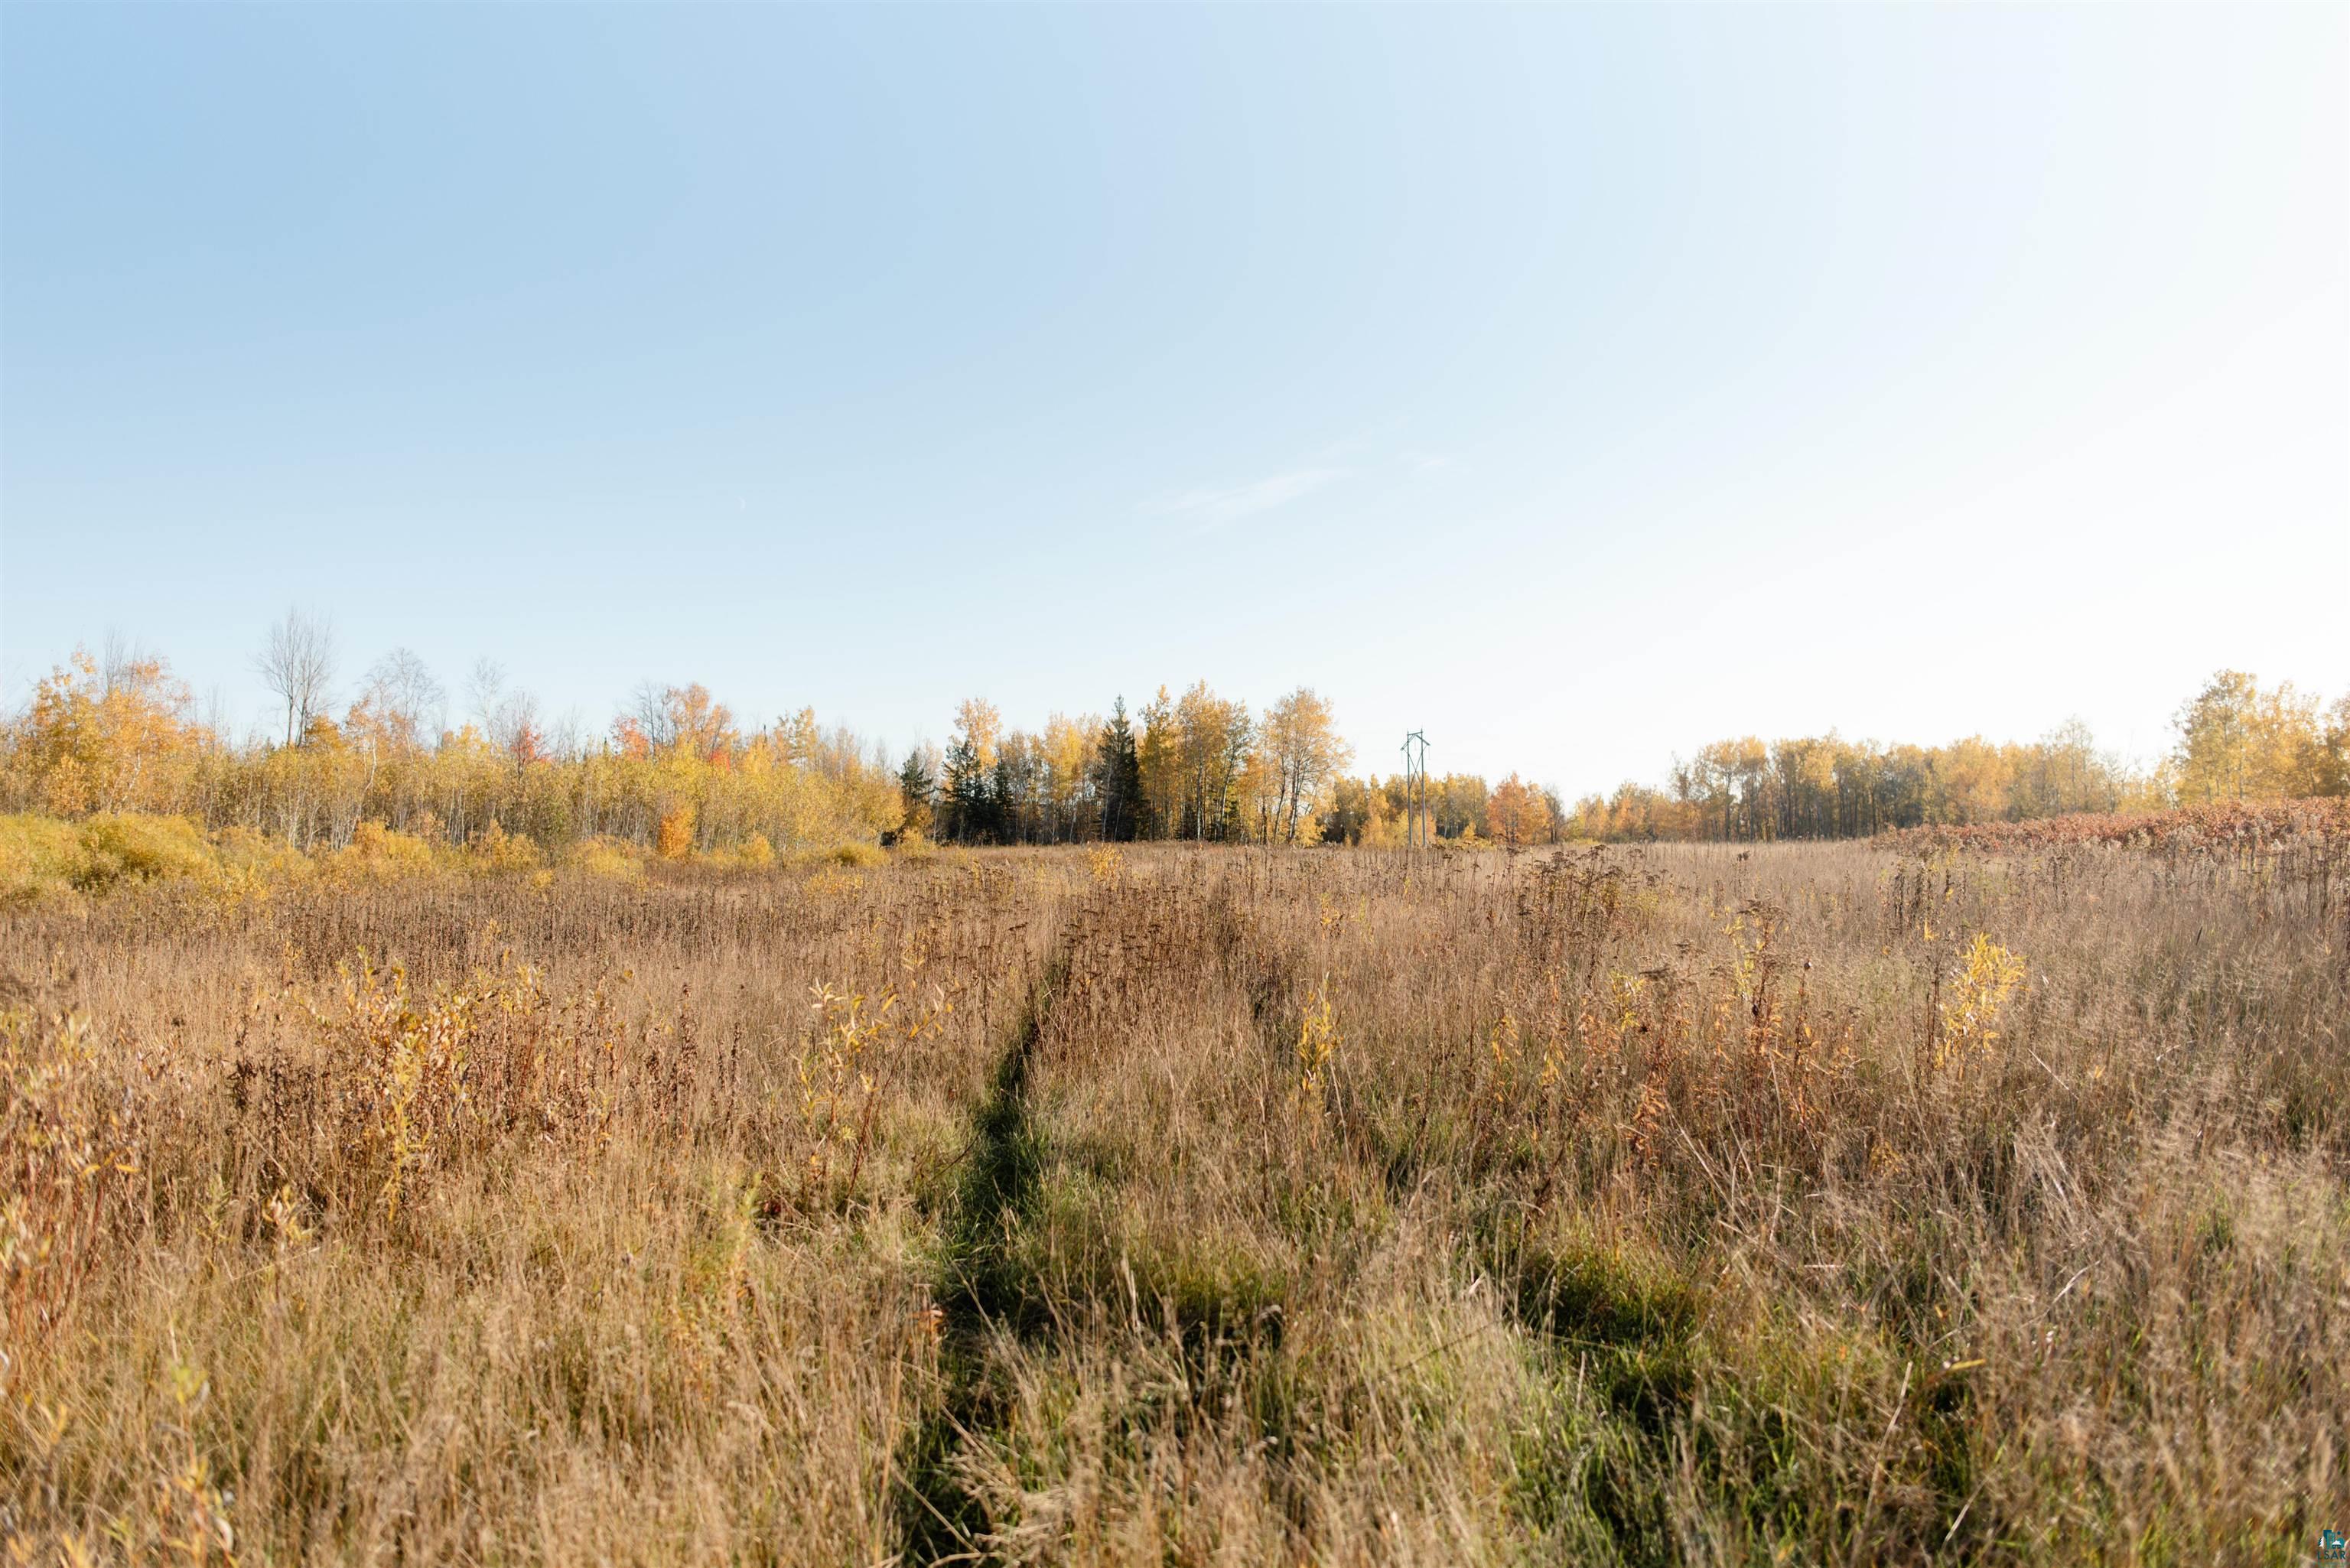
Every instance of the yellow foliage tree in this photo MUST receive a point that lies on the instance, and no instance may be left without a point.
(111, 739)
(1518, 812)
(2238, 741)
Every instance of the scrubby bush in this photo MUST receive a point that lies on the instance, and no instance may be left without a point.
(42, 856)
(612, 859)
(379, 854)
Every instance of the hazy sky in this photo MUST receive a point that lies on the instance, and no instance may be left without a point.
(1578, 384)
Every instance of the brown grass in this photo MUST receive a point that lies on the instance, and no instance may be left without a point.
(1852, 1204)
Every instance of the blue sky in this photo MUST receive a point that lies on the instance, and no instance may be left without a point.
(1577, 384)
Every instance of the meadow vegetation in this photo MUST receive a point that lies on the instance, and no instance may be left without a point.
(1971, 1196)
(678, 774)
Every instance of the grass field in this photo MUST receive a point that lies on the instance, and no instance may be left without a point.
(1811, 1204)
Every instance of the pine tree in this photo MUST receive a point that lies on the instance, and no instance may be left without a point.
(916, 789)
(971, 803)
(1119, 784)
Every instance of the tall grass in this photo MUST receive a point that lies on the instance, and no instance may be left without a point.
(1855, 1204)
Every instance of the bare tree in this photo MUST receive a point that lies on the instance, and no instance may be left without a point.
(509, 720)
(568, 739)
(411, 702)
(297, 663)
(483, 685)
(513, 729)
(118, 661)
(655, 717)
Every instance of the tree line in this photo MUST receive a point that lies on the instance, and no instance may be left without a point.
(677, 772)
(2234, 740)
(1199, 767)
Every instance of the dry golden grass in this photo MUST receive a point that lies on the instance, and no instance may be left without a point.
(1800, 1204)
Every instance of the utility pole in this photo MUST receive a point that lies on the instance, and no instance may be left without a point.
(1415, 791)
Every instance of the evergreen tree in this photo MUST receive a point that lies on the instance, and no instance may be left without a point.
(1007, 795)
(971, 805)
(1119, 777)
(916, 789)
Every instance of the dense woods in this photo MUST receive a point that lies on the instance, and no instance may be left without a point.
(679, 775)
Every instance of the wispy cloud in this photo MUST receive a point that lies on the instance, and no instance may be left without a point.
(1213, 508)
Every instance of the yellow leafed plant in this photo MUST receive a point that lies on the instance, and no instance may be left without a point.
(1988, 975)
(1318, 1041)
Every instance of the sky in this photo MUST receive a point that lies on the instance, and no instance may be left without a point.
(1577, 385)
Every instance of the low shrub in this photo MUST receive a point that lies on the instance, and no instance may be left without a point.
(43, 857)
(380, 853)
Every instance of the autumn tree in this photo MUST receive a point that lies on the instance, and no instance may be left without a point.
(1804, 786)
(1015, 784)
(1254, 812)
(1301, 743)
(981, 726)
(1349, 810)
(1064, 753)
(2064, 771)
(1970, 782)
(1212, 739)
(117, 738)
(1519, 813)
(1457, 804)
(2334, 750)
(1714, 778)
(1160, 756)
(698, 724)
(2237, 741)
